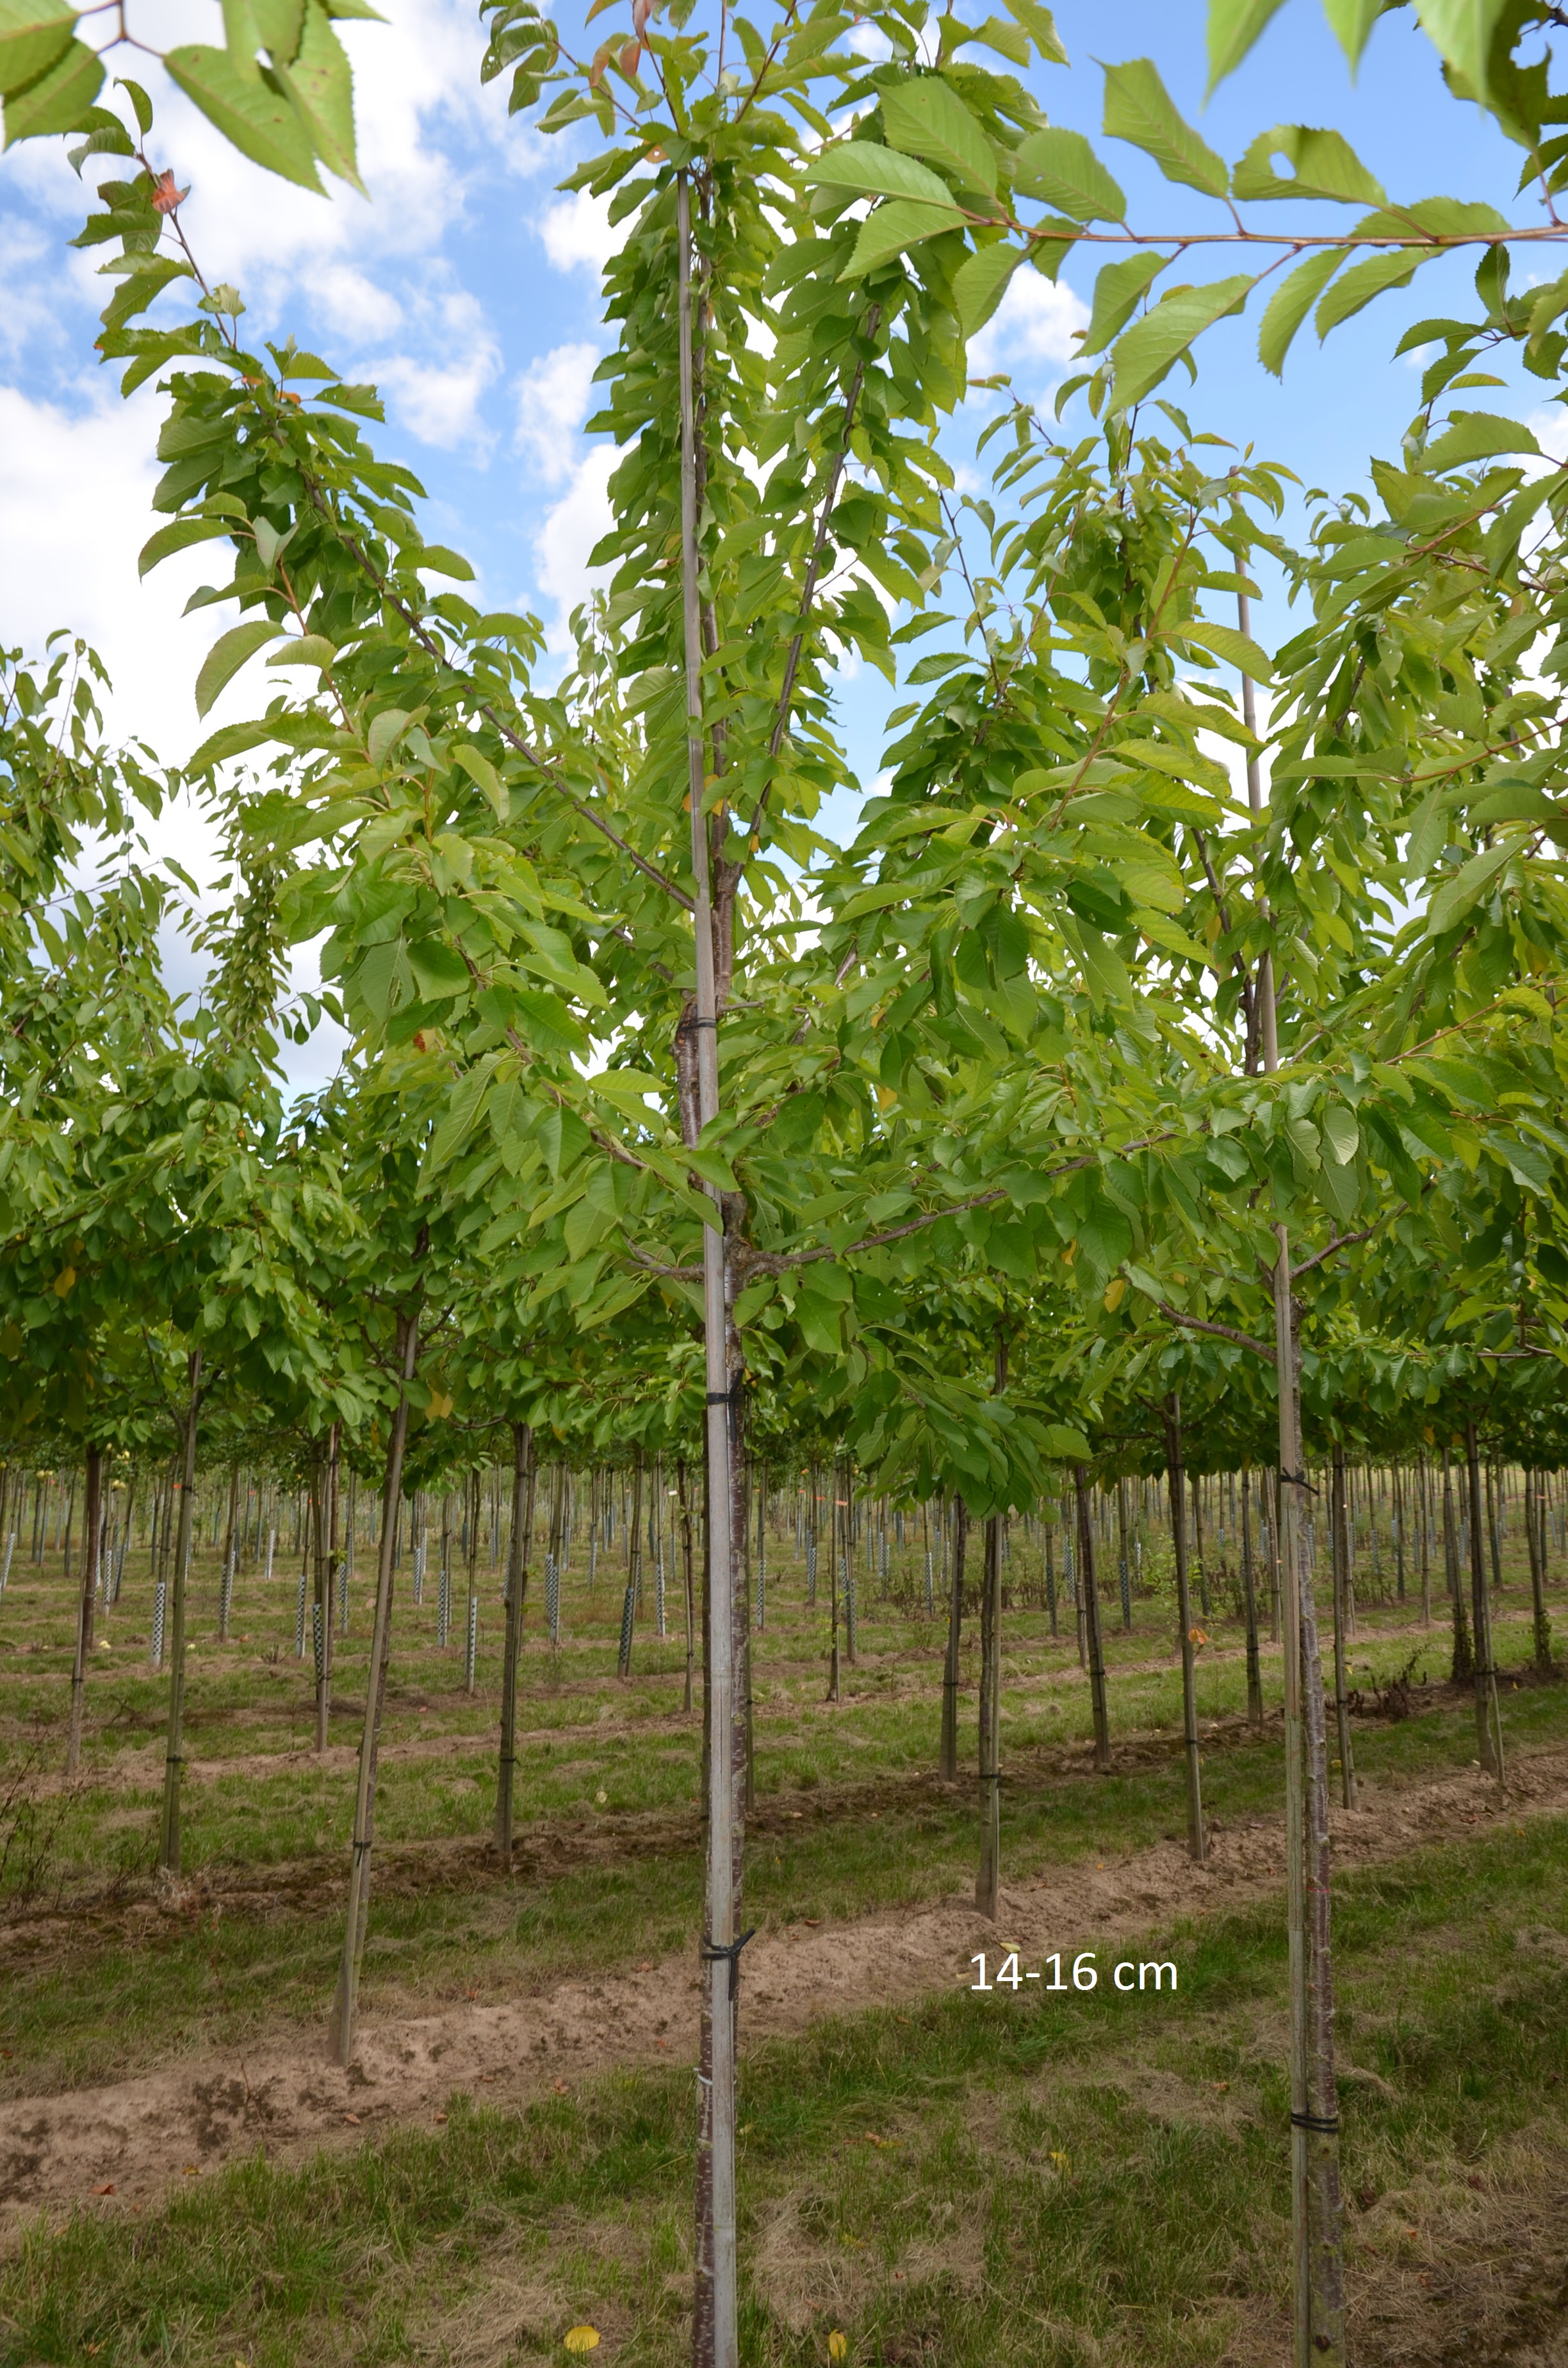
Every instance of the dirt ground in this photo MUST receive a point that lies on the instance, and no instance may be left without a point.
(125, 2145)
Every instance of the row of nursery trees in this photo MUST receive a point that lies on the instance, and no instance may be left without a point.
(1098, 1095)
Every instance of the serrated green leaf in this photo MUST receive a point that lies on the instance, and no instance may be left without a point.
(1146, 351)
(180, 536)
(258, 120)
(902, 224)
(928, 118)
(482, 773)
(1477, 436)
(386, 730)
(981, 280)
(320, 82)
(1040, 26)
(1462, 32)
(228, 654)
(1323, 165)
(1341, 1133)
(1361, 283)
(1117, 287)
(1140, 109)
(57, 99)
(437, 558)
(33, 34)
(1352, 22)
(873, 171)
(1467, 887)
(304, 649)
(278, 26)
(1290, 303)
(1234, 26)
(1061, 169)
(1237, 649)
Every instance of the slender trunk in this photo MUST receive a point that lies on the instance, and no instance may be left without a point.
(988, 1881)
(1340, 1521)
(345, 2004)
(1124, 1559)
(715, 2332)
(174, 1760)
(690, 1586)
(231, 1548)
(1197, 1838)
(1462, 1668)
(1494, 1538)
(958, 1524)
(86, 1604)
(835, 1564)
(1316, 2209)
(1249, 1606)
(1089, 1595)
(1488, 1711)
(1535, 1523)
(517, 1597)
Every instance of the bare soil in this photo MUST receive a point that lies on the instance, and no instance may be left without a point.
(124, 2144)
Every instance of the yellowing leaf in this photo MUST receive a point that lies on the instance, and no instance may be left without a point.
(1116, 1292)
(582, 2338)
(64, 1280)
(838, 2344)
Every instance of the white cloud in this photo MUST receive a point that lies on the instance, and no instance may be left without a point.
(439, 400)
(576, 230)
(1549, 426)
(1036, 322)
(553, 395)
(347, 302)
(569, 533)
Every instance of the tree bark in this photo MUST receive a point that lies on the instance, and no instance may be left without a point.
(517, 1597)
(1197, 1838)
(1089, 1594)
(86, 1605)
(345, 2004)
(1488, 1712)
(949, 1761)
(1249, 1606)
(1339, 1518)
(174, 1758)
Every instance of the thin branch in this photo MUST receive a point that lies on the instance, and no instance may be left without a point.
(1342, 1242)
(1219, 1331)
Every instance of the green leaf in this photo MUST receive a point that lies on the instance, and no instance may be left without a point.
(386, 730)
(228, 654)
(482, 773)
(304, 649)
(873, 171)
(1467, 887)
(258, 120)
(279, 25)
(1062, 169)
(1117, 287)
(900, 224)
(435, 558)
(58, 98)
(981, 282)
(1323, 164)
(1139, 110)
(928, 118)
(1341, 1132)
(1290, 303)
(1352, 22)
(1059, 1443)
(1146, 351)
(320, 82)
(1040, 26)
(180, 536)
(33, 33)
(1361, 283)
(1234, 26)
(1462, 30)
(1477, 436)
(1237, 649)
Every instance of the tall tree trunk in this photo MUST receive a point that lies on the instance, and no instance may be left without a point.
(347, 2003)
(1461, 1670)
(686, 1555)
(1249, 1606)
(715, 2332)
(1340, 1526)
(1535, 1519)
(1488, 1712)
(86, 1605)
(1090, 1593)
(959, 1528)
(174, 1758)
(1197, 1838)
(1124, 1559)
(523, 1484)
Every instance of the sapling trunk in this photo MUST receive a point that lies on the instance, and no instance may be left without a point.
(1488, 1711)
(957, 1527)
(1249, 1606)
(1089, 1595)
(345, 2004)
(174, 1758)
(1340, 1526)
(517, 1598)
(686, 1555)
(1123, 1557)
(1197, 1838)
(87, 1603)
(1534, 1523)
(1462, 1668)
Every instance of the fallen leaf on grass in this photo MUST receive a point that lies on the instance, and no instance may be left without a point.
(441, 2117)
(354, 2118)
(581, 2339)
(106, 2188)
(562, 2090)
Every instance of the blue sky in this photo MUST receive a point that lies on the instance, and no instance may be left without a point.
(469, 288)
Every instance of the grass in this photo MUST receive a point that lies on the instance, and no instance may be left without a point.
(101, 1982)
(983, 2180)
